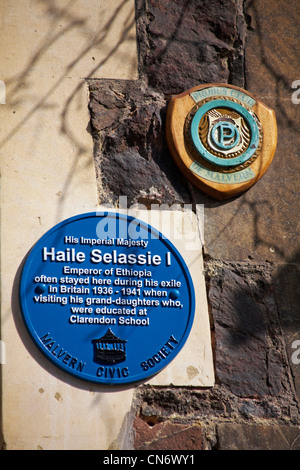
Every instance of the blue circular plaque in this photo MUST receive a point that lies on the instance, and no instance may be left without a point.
(107, 298)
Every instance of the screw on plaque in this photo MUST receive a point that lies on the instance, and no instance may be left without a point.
(221, 137)
(40, 288)
(174, 294)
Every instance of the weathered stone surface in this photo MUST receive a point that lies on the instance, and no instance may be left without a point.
(216, 404)
(254, 404)
(287, 289)
(263, 222)
(131, 153)
(212, 409)
(254, 381)
(167, 436)
(188, 42)
(249, 349)
(181, 44)
(272, 65)
(258, 437)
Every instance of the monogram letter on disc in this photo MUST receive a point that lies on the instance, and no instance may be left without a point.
(221, 137)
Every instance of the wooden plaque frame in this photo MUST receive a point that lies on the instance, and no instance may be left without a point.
(219, 182)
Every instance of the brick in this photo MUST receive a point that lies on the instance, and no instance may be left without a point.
(167, 436)
(258, 437)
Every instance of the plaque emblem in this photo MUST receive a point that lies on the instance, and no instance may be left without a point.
(221, 137)
(109, 349)
(107, 298)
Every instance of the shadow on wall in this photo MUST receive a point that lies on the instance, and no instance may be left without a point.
(277, 53)
(61, 23)
(255, 317)
(182, 45)
(263, 223)
(56, 48)
(89, 42)
(255, 302)
(287, 288)
(166, 56)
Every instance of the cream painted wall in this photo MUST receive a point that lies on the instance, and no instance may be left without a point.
(48, 49)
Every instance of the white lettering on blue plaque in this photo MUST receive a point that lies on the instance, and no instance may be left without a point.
(107, 298)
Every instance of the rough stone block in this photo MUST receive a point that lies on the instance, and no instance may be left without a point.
(183, 42)
(288, 299)
(249, 348)
(131, 152)
(234, 436)
(167, 436)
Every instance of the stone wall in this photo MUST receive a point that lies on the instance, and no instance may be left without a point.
(251, 242)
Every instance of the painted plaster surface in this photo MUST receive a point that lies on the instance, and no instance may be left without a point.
(193, 365)
(48, 49)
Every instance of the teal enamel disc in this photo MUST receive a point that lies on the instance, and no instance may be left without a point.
(224, 133)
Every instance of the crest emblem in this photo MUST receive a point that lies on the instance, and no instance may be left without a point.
(224, 133)
(221, 137)
(109, 349)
